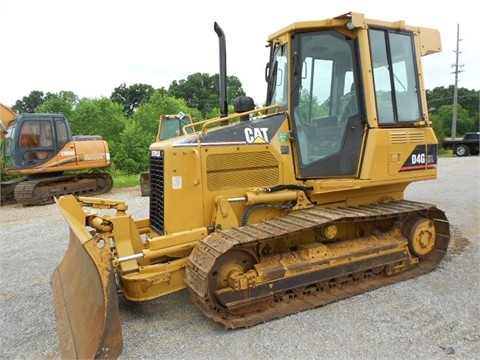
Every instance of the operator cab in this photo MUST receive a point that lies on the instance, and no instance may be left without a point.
(172, 125)
(33, 139)
(318, 75)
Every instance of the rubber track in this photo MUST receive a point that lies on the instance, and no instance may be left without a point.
(41, 191)
(208, 250)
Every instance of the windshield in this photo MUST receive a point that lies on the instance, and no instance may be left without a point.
(170, 128)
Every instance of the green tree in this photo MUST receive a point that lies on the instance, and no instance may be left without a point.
(437, 126)
(30, 103)
(201, 91)
(465, 122)
(131, 97)
(99, 117)
(149, 113)
(63, 102)
(132, 153)
(440, 96)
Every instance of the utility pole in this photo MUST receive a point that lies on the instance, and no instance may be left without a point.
(455, 89)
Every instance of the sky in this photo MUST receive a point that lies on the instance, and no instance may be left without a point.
(92, 46)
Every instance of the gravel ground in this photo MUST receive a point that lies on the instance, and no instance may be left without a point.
(435, 316)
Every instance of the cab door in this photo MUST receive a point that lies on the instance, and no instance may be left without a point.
(327, 105)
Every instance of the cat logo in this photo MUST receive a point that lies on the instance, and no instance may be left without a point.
(256, 135)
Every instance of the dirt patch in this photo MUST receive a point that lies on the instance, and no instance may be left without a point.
(458, 243)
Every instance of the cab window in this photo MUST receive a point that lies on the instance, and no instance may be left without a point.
(394, 72)
(37, 136)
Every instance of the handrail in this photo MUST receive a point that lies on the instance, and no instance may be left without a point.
(208, 122)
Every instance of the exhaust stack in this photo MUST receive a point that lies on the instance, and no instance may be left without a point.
(223, 70)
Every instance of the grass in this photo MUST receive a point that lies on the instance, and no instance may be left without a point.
(444, 153)
(124, 180)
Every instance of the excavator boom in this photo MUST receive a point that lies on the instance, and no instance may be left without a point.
(6, 114)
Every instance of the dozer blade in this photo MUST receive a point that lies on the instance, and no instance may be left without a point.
(84, 291)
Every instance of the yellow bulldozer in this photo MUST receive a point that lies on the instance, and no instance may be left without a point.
(289, 207)
(48, 160)
(168, 126)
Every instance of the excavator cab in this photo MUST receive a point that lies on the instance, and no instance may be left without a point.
(33, 139)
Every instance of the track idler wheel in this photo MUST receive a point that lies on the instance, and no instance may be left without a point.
(234, 262)
(421, 235)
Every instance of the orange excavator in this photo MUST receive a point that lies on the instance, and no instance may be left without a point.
(41, 149)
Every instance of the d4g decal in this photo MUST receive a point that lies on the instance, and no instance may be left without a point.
(422, 157)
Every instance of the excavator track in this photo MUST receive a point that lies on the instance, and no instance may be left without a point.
(8, 190)
(235, 279)
(42, 191)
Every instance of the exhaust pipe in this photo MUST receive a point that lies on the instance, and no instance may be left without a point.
(223, 70)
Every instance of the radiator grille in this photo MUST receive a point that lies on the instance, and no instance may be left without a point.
(157, 184)
(234, 171)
